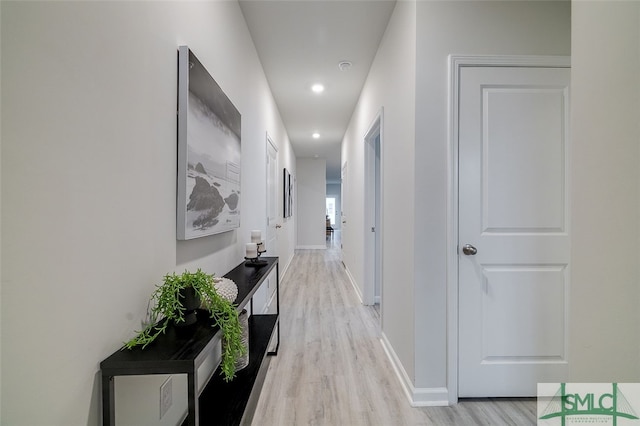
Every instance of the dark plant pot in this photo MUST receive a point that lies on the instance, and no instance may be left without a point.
(190, 302)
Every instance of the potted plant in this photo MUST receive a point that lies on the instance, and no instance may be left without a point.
(168, 304)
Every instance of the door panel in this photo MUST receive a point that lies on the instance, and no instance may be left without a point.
(523, 331)
(514, 209)
(523, 162)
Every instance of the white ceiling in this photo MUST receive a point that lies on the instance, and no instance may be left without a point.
(301, 43)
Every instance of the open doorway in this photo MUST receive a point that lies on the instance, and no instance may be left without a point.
(333, 215)
(331, 211)
(330, 217)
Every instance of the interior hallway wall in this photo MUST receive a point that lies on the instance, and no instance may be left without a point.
(310, 202)
(288, 232)
(444, 28)
(390, 85)
(409, 79)
(605, 125)
(88, 178)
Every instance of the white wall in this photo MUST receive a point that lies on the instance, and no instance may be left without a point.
(461, 27)
(310, 202)
(390, 85)
(413, 58)
(605, 103)
(286, 234)
(605, 284)
(89, 185)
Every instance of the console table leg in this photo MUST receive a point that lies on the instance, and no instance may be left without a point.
(108, 401)
(193, 417)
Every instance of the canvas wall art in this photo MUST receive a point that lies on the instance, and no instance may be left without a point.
(286, 191)
(291, 193)
(287, 180)
(208, 199)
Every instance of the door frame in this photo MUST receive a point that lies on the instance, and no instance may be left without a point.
(373, 257)
(343, 204)
(270, 142)
(456, 63)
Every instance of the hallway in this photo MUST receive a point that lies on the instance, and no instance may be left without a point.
(331, 368)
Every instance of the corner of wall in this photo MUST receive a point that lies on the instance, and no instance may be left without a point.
(418, 397)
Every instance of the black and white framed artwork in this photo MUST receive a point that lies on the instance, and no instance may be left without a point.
(208, 198)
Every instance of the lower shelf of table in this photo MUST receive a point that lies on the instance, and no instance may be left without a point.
(223, 403)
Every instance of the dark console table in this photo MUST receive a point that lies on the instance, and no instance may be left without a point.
(182, 351)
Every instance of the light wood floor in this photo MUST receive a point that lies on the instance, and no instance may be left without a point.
(331, 368)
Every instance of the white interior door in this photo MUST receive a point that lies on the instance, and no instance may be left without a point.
(272, 199)
(372, 293)
(514, 215)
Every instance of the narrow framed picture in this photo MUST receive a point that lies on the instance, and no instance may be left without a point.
(209, 153)
(286, 190)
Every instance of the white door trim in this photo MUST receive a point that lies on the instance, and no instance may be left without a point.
(456, 62)
(375, 129)
(271, 143)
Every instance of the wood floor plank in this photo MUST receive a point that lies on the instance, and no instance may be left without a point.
(331, 368)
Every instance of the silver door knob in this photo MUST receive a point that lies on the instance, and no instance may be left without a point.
(469, 250)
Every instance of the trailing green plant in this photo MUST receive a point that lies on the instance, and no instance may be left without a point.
(165, 305)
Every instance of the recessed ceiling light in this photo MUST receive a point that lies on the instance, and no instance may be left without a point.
(316, 135)
(317, 88)
(344, 65)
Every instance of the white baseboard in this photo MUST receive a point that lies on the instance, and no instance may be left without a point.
(322, 247)
(418, 397)
(430, 397)
(356, 289)
(285, 267)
